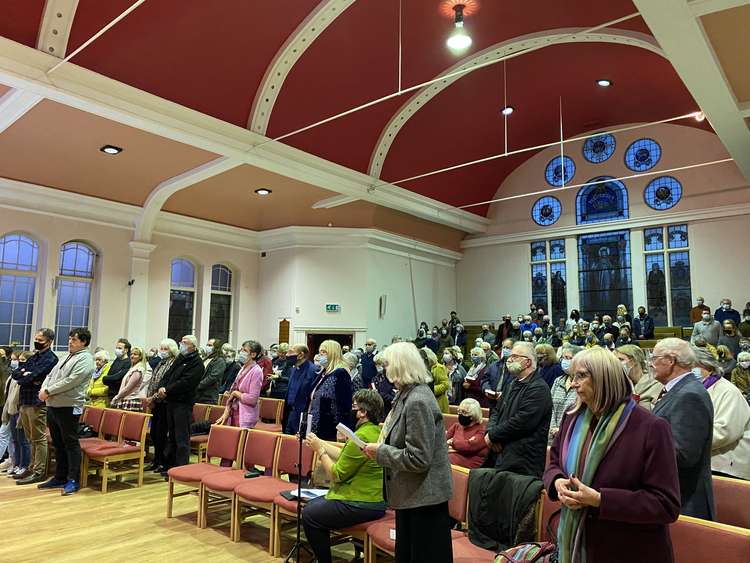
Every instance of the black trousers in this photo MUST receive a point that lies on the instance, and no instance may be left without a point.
(63, 428)
(179, 417)
(320, 515)
(424, 534)
(159, 429)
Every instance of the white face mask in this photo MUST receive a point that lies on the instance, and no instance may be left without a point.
(119, 352)
(447, 358)
(242, 356)
(14, 364)
(698, 373)
(208, 350)
(725, 306)
(163, 355)
(745, 365)
(183, 349)
(565, 364)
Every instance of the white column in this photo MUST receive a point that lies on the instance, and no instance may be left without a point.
(140, 260)
(571, 268)
(203, 306)
(638, 266)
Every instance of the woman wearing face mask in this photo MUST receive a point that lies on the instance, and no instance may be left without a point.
(452, 358)
(730, 338)
(465, 438)
(214, 366)
(97, 392)
(591, 340)
(576, 337)
(546, 360)
(624, 337)
(741, 374)
(472, 385)
(331, 397)
(725, 359)
(440, 382)
(128, 398)
(243, 406)
(562, 391)
(167, 353)
(382, 385)
(622, 311)
(646, 389)
(573, 321)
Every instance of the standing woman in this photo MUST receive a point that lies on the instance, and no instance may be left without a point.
(414, 454)
(167, 353)
(127, 397)
(97, 392)
(331, 397)
(613, 468)
(646, 389)
(243, 407)
(440, 381)
(562, 391)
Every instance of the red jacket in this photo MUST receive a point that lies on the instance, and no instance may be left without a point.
(267, 366)
(471, 449)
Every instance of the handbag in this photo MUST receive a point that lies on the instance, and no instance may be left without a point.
(86, 431)
(537, 552)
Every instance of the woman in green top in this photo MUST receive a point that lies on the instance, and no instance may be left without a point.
(356, 493)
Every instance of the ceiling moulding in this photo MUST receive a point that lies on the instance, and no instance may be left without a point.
(494, 53)
(23, 67)
(702, 7)
(14, 105)
(683, 39)
(57, 22)
(656, 219)
(76, 207)
(287, 56)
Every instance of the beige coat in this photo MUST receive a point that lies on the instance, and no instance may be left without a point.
(648, 390)
(730, 447)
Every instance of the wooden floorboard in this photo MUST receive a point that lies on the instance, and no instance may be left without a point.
(126, 524)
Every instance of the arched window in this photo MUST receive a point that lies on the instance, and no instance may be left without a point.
(602, 199)
(19, 255)
(181, 299)
(220, 318)
(73, 286)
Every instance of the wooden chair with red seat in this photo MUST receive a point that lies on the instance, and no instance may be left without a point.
(271, 410)
(259, 450)
(110, 426)
(453, 409)
(134, 429)
(449, 420)
(198, 441)
(695, 540)
(224, 442)
(223, 399)
(732, 499)
(259, 493)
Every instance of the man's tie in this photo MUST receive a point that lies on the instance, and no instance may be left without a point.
(661, 396)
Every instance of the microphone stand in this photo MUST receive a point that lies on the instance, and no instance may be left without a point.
(298, 545)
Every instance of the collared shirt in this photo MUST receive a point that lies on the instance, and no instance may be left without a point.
(675, 381)
(38, 367)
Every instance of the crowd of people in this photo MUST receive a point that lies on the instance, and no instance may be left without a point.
(572, 386)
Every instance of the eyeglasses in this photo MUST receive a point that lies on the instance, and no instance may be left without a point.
(580, 376)
(658, 356)
(518, 356)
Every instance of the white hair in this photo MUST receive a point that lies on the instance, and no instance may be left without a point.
(170, 345)
(351, 360)
(479, 352)
(527, 350)
(682, 351)
(102, 355)
(472, 407)
(192, 340)
(404, 365)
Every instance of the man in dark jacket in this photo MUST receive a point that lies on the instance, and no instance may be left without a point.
(497, 378)
(643, 325)
(368, 362)
(119, 367)
(518, 427)
(178, 390)
(301, 378)
(207, 391)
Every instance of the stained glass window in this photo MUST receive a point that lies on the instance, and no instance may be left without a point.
(668, 274)
(181, 299)
(663, 193)
(600, 148)
(560, 170)
(604, 272)
(678, 236)
(557, 249)
(539, 285)
(220, 313)
(546, 211)
(183, 273)
(642, 155)
(679, 279)
(654, 239)
(538, 251)
(656, 288)
(602, 199)
(19, 255)
(559, 282)
(74, 287)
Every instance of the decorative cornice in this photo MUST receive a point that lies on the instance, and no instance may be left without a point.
(661, 218)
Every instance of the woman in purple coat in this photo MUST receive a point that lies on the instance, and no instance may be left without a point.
(613, 468)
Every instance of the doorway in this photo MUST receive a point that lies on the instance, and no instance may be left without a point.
(314, 340)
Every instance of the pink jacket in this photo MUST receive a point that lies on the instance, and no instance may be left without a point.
(248, 382)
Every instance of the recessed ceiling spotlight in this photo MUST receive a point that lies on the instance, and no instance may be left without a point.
(459, 39)
(603, 82)
(263, 191)
(699, 116)
(111, 149)
(507, 110)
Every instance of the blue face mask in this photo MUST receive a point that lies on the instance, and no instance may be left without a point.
(506, 352)
(163, 355)
(323, 361)
(183, 349)
(565, 364)
(476, 360)
(242, 357)
(14, 364)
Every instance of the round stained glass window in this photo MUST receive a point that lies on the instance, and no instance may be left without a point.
(600, 148)
(642, 155)
(663, 193)
(560, 170)
(546, 211)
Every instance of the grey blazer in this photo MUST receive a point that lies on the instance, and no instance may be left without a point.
(414, 454)
(690, 413)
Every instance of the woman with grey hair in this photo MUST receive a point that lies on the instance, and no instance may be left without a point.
(167, 353)
(97, 393)
(562, 391)
(465, 438)
(730, 445)
(646, 389)
(231, 369)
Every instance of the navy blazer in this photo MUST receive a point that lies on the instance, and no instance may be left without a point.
(690, 413)
(643, 326)
(298, 393)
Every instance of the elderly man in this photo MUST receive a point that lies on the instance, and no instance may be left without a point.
(301, 378)
(725, 312)
(708, 328)
(368, 362)
(178, 391)
(686, 405)
(519, 425)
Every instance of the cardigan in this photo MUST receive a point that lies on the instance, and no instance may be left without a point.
(469, 447)
(331, 403)
(357, 478)
(245, 411)
(67, 382)
(730, 444)
(97, 392)
(562, 400)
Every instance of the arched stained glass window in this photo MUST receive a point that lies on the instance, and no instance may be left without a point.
(602, 199)
(663, 193)
(19, 256)
(642, 155)
(183, 273)
(600, 148)
(220, 318)
(560, 170)
(181, 299)
(546, 211)
(74, 286)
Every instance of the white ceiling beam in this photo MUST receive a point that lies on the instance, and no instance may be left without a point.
(14, 105)
(684, 41)
(744, 109)
(334, 201)
(702, 7)
(74, 86)
(57, 21)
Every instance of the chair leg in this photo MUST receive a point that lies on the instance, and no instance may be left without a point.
(105, 471)
(274, 536)
(141, 467)
(170, 494)
(199, 520)
(84, 469)
(202, 506)
(235, 520)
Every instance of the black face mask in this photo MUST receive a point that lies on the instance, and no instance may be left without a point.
(39, 345)
(464, 420)
(291, 360)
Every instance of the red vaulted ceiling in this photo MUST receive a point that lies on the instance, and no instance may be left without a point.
(212, 56)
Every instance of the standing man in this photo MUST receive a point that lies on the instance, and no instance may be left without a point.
(64, 390)
(119, 367)
(368, 362)
(708, 328)
(301, 378)
(697, 312)
(725, 312)
(178, 391)
(33, 411)
(643, 325)
(686, 405)
(214, 365)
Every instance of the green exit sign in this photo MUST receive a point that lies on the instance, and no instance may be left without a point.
(333, 308)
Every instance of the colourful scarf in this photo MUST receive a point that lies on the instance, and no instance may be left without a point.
(583, 463)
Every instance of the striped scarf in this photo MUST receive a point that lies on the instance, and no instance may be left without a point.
(583, 464)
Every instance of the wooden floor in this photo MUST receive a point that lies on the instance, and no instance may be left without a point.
(126, 524)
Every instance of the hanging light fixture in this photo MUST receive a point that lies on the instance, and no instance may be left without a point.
(459, 39)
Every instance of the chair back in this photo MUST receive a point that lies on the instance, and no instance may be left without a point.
(93, 417)
(549, 507)
(485, 414)
(458, 504)
(260, 449)
(449, 420)
(134, 426)
(200, 411)
(214, 412)
(223, 399)
(287, 457)
(111, 423)
(224, 442)
(453, 409)
(732, 498)
(695, 540)
(271, 409)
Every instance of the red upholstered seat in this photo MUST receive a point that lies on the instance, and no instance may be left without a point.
(199, 439)
(224, 480)
(194, 472)
(732, 498)
(268, 427)
(695, 540)
(92, 443)
(262, 489)
(466, 552)
(288, 505)
(380, 535)
(113, 449)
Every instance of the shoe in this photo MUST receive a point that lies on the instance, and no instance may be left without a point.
(22, 473)
(33, 478)
(12, 471)
(158, 469)
(6, 465)
(70, 488)
(52, 484)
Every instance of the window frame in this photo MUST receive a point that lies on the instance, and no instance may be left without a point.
(666, 251)
(61, 344)
(229, 293)
(34, 273)
(182, 288)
